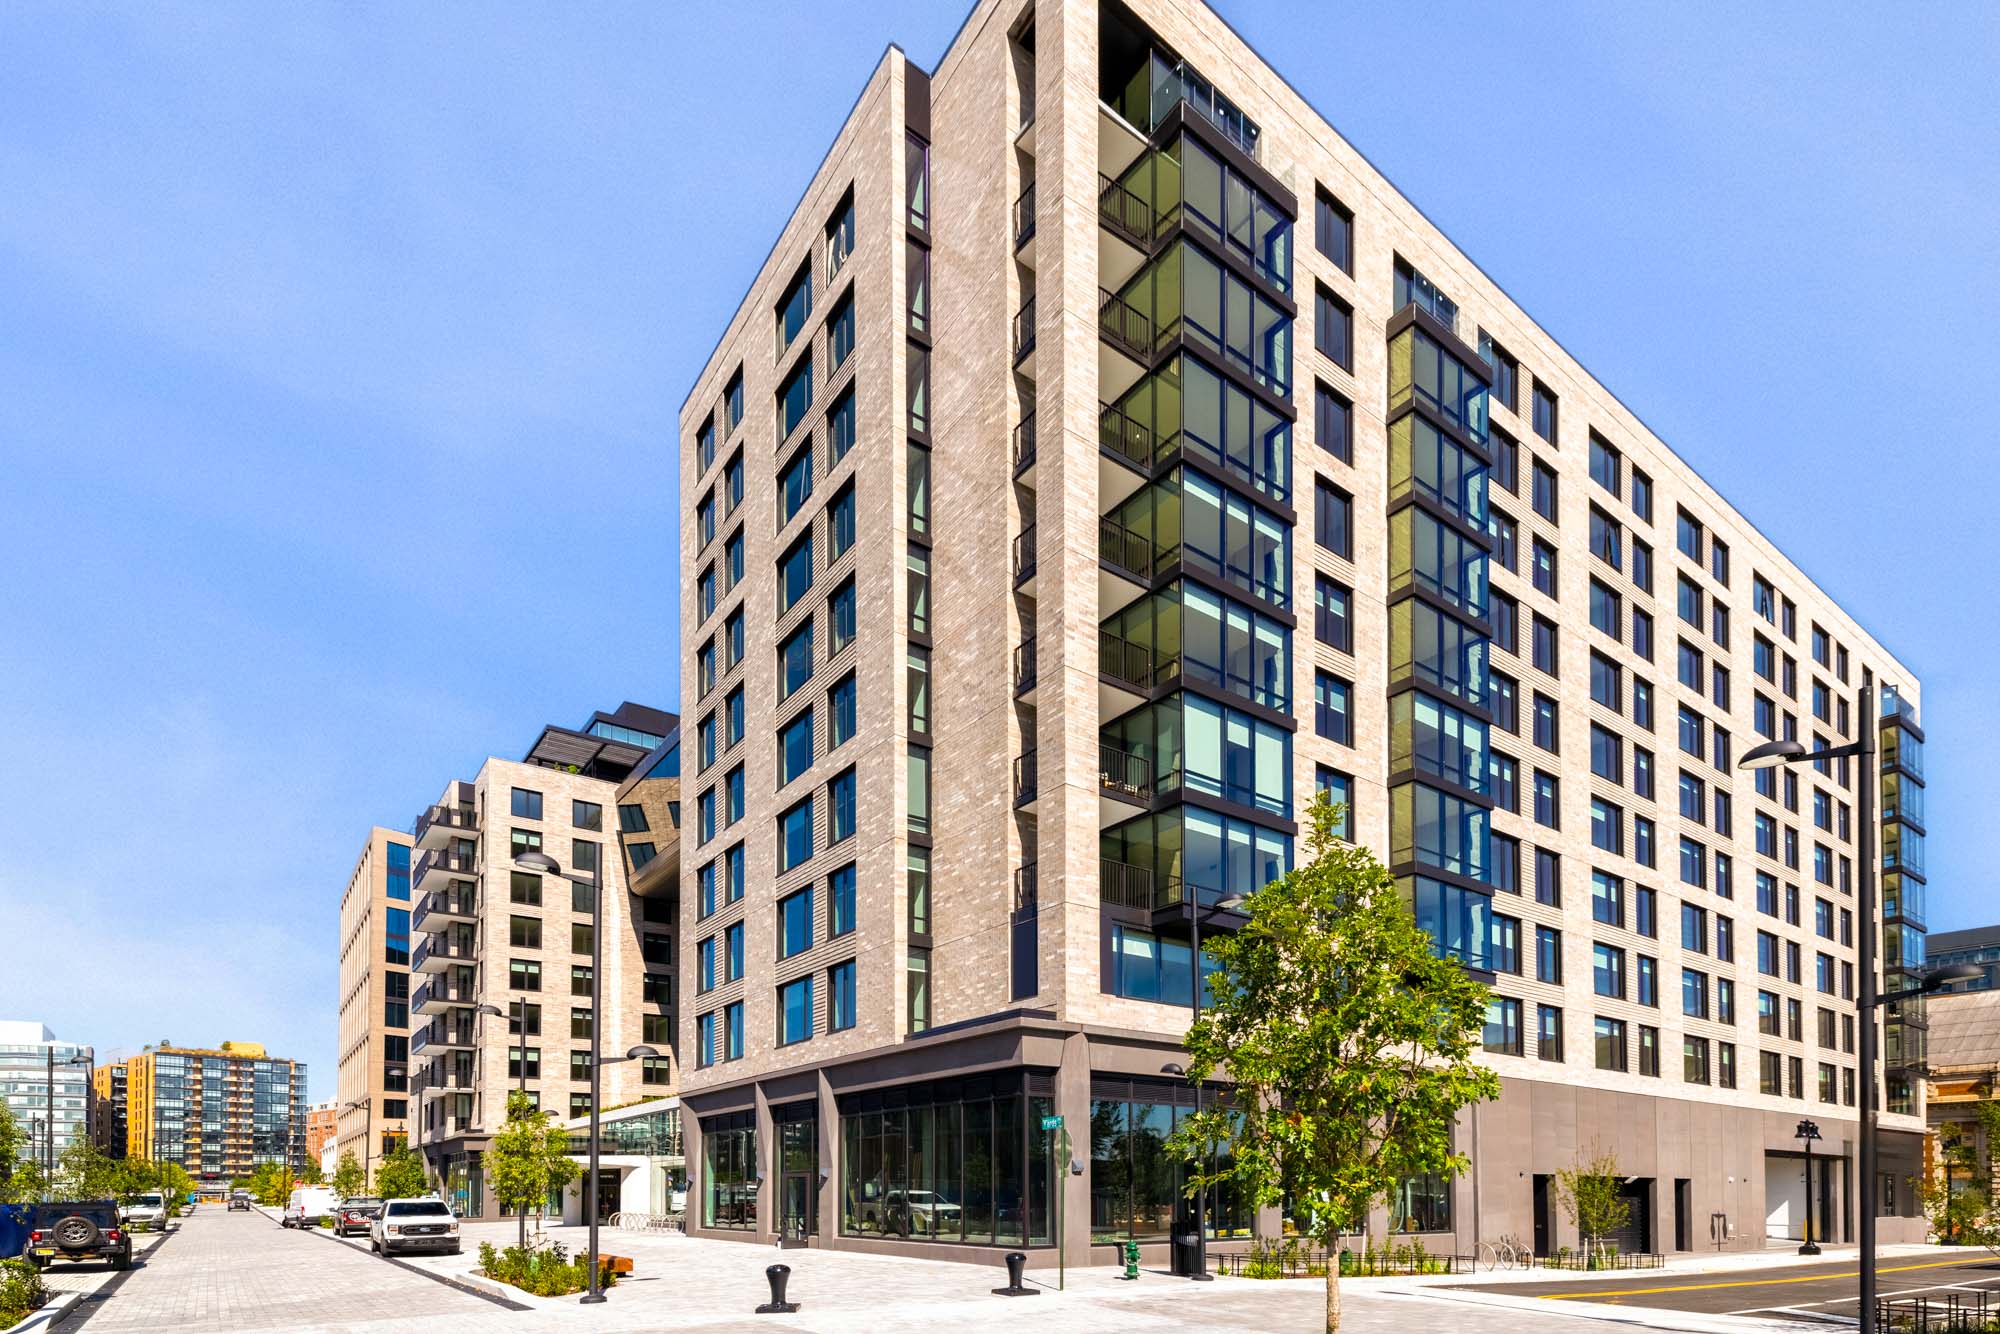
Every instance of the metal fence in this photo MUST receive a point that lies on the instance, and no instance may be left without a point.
(1965, 1312)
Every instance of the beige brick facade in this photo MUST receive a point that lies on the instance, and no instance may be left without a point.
(371, 1109)
(1020, 136)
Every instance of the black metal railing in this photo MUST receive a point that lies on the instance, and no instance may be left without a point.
(1127, 437)
(1024, 555)
(1024, 217)
(1024, 331)
(1025, 893)
(440, 991)
(442, 859)
(462, 818)
(1131, 664)
(1124, 772)
(443, 948)
(1024, 665)
(1122, 885)
(1025, 785)
(1955, 1312)
(1126, 213)
(1125, 548)
(1024, 443)
(461, 900)
(1125, 325)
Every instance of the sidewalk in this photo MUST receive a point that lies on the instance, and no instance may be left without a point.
(1680, 1265)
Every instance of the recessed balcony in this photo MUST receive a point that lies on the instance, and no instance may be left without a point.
(1024, 560)
(457, 902)
(441, 1035)
(440, 864)
(1024, 338)
(440, 993)
(1024, 666)
(438, 825)
(1026, 774)
(1024, 450)
(437, 1083)
(434, 954)
(1024, 225)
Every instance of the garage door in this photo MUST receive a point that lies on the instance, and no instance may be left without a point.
(1636, 1237)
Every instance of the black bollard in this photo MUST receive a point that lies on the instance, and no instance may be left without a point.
(777, 1276)
(1016, 1262)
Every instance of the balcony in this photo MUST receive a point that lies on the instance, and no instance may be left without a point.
(1132, 665)
(1120, 885)
(441, 1035)
(442, 863)
(1024, 666)
(1024, 218)
(1025, 779)
(1124, 773)
(1024, 449)
(1158, 86)
(1024, 331)
(438, 909)
(437, 1082)
(434, 954)
(437, 994)
(438, 825)
(1127, 552)
(1125, 326)
(1024, 560)
(1126, 214)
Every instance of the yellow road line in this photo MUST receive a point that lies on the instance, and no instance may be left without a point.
(1747, 1282)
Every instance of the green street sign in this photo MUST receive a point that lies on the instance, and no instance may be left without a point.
(1052, 1123)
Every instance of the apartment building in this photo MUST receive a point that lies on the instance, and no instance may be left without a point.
(1106, 458)
(217, 1111)
(1978, 945)
(372, 1108)
(107, 1109)
(46, 1084)
(504, 957)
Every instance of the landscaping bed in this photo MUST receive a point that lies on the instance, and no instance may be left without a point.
(545, 1271)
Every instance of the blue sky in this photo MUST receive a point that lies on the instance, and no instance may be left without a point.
(340, 351)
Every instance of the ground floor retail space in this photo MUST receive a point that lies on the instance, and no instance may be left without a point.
(1024, 1133)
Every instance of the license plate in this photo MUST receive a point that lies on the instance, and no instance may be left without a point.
(45, 1250)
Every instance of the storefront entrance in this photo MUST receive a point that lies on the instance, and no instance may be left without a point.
(798, 1170)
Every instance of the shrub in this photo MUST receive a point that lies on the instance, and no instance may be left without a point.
(542, 1272)
(22, 1291)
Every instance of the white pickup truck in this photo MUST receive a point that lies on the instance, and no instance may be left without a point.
(147, 1211)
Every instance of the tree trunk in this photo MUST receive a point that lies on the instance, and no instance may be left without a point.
(1332, 1293)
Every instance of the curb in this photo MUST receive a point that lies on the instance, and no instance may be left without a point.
(1649, 1317)
(465, 1284)
(51, 1315)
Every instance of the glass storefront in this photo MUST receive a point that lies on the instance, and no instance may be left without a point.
(962, 1160)
(729, 1170)
(1138, 1188)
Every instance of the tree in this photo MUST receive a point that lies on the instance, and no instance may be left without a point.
(400, 1175)
(1349, 1041)
(84, 1173)
(312, 1174)
(1590, 1195)
(529, 1157)
(348, 1178)
(17, 1161)
(1960, 1199)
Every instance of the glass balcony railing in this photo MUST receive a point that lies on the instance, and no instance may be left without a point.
(1183, 184)
(1150, 95)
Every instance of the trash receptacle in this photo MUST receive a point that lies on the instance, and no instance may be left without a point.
(1187, 1253)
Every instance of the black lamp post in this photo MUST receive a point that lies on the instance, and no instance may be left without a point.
(367, 1106)
(1232, 903)
(1864, 751)
(1808, 1131)
(49, 1128)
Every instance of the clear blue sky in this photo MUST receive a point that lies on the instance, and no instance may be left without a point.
(340, 349)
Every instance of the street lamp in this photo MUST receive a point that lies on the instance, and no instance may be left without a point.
(521, 1076)
(1808, 1131)
(540, 863)
(367, 1106)
(1231, 903)
(49, 1129)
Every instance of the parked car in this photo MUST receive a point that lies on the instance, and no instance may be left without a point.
(144, 1211)
(413, 1225)
(307, 1206)
(910, 1212)
(239, 1199)
(78, 1231)
(355, 1215)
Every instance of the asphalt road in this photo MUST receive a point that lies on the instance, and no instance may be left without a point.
(1823, 1289)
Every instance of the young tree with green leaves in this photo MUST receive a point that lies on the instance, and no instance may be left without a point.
(1348, 1039)
(20, 1173)
(348, 1178)
(529, 1158)
(400, 1174)
(1589, 1193)
(1960, 1199)
(312, 1174)
(84, 1173)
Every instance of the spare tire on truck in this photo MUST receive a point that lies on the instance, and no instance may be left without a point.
(74, 1232)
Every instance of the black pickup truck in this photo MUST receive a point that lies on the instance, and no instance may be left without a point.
(78, 1230)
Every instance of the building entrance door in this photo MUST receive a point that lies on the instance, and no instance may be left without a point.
(1544, 1217)
(798, 1171)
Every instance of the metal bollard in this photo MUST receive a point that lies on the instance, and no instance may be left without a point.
(777, 1276)
(1131, 1260)
(1016, 1262)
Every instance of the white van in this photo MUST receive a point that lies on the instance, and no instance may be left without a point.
(307, 1206)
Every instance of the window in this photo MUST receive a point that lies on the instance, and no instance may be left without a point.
(1332, 605)
(795, 573)
(1506, 374)
(1649, 1050)
(1542, 567)
(840, 425)
(526, 805)
(1649, 981)
(840, 329)
(1642, 633)
(1331, 716)
(1548, 877)
(840, 616)
(1547, 800)
(1544, 646)
(1506, 623)
(795, 747)
(1607, 683)
(732, 636)
(1605, 610)
(1607, 899)
(840, 715)
(524, 888)
(1642, 565)
(1548, 955)
(632, 819)
(1545, 722)
(1607, 754)
(1718, 561)
(705, 1052)
(795, 660)
(1506, 455)
(840, 1005)
(1606, 466)
(795, 396)
(732, 1032)
(705, 965)
(1610, 1045)
(1333, 231)
(1333, 423)
(795, 836)
(1333, 328)
(1688, 536)
(1549, 1032)
(795, 486)
(1694, 928)
(918, 488)
(1503, 1026)
(1543, 495)
(1506, 541)
(524, 932)
(1545, 413)
(1645, 842)
(840, 814)
(1504, 858)
(732, 710)
(795, 923)
(1333, 519)
(794, 307)
(1506, 782)
(1506, 703)
(1607, 827)
(1504, 950)
(840, 901)
(732, 482)
(524, 975)
(732, 952)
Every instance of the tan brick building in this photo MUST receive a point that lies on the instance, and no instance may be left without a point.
(490, 935)
(372, 1107)
(1106, 457)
